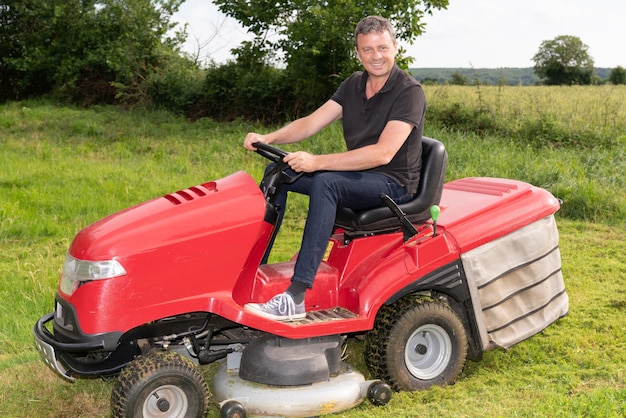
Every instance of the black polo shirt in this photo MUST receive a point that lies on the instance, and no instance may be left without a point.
(401, 98)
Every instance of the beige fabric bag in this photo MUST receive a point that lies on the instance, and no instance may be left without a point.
(516, 284)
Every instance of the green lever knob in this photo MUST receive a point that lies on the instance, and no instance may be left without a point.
(434, 213)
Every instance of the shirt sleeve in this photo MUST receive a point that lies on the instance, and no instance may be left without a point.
(410, 105)
(340, 94)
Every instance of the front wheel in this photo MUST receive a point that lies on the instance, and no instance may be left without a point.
(160, 384)
(415, 346)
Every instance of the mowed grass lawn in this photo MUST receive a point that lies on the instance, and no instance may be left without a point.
(62, 168)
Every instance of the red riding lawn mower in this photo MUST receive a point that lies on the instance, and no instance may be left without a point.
(154, 291)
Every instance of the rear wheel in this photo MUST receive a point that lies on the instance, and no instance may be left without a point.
(415, 346)
(160, 384)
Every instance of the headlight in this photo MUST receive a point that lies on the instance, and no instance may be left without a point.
(76, 272)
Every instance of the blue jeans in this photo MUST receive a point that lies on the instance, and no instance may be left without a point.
(327, 190)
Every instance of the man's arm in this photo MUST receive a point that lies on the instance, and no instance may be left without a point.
(381, 153)
(299, 129)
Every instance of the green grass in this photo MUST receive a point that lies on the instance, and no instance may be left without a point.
(558, 116)
(63, 168)
(590, 182)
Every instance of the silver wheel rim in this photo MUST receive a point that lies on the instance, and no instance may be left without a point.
(166, 401)
(428, 352)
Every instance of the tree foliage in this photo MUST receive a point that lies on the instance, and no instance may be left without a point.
(458, 79)
(564, 60)
(618, 75)
(127, 51)
(88, 50)
(314, 41)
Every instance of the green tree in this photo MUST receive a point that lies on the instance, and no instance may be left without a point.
(21, 24)
(618, 75)
(314, 41)
(458, 79)
(89, 50)
(564, 60)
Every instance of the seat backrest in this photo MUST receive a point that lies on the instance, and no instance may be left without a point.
(434, 164)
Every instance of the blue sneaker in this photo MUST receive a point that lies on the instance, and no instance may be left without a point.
(281, 308)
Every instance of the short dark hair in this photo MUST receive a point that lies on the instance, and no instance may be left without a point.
(376, 24)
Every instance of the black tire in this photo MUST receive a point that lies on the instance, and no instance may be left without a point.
(414, 346)
(160, 384)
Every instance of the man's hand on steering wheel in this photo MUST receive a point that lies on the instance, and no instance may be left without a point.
(253, 138)
(277, 156)
(301, 162)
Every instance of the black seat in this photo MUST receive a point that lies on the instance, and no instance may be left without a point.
(434, 163)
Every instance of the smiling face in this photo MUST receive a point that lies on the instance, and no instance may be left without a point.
(377, 52)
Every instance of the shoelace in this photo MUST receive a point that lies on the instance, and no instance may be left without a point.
(283, 303)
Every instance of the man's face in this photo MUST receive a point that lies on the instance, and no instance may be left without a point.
(377, 52)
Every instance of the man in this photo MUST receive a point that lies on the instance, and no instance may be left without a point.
(383, 110)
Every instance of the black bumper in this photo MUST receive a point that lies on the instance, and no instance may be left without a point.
(87, 358)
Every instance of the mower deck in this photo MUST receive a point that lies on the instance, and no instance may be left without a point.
(342, 392)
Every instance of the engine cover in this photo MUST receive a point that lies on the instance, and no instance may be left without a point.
(281, 361)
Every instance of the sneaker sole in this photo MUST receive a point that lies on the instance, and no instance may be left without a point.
(286, 318)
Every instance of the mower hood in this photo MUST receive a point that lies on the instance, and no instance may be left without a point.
(234, 202)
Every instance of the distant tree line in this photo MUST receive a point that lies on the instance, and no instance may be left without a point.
(469, 76)
(501, 76)
(564, 60)
(128, 52)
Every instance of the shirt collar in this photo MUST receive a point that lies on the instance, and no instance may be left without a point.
(392, 76)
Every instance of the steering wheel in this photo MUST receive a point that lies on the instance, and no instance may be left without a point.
(271, 153)
(276, 156)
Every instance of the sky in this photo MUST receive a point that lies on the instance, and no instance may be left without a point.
(468, 34)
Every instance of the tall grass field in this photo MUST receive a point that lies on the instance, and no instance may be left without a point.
(62, 168)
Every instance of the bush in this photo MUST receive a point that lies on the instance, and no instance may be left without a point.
(231, 91)
(176, 85)
(89, 52)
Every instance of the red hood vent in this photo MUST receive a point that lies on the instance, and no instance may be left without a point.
(495, 187)
(191, 193)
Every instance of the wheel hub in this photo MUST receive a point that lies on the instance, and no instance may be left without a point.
(421, 349)
(166, 401)
(428, 352)
(163, 405)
